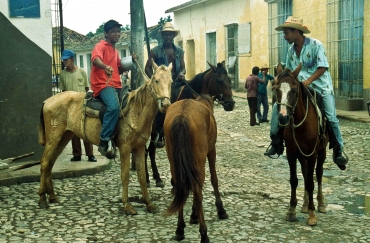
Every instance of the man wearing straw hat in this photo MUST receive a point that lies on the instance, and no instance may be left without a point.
(165, 54)
(262, 93)
(314, 73)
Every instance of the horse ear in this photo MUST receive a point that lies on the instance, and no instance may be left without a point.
(170, 67)
(223, 64)
(214, 68)
(297, 70)
(154, 65)
(279, 68)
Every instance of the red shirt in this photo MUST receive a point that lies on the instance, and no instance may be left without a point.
(109, 55)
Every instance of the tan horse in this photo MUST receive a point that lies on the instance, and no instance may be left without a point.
(62, 116)
(191, 132)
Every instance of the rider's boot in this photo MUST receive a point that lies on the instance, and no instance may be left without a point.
(277, 145)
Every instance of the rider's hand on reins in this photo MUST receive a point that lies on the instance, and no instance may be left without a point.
(306, 83)
(108, 70)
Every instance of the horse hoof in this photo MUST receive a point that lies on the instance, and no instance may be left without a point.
(152, 209)
(312, 221)
(291, 217)
(304, 209)
(53, 200)
(179, 237)
(193, 221)
(322, 209)
(223, 216)
(43, 205)
(129, 210)
(159, 183)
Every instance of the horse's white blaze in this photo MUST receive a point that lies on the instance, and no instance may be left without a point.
(284, 87)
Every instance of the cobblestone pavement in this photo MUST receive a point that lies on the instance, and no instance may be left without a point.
(255, 190)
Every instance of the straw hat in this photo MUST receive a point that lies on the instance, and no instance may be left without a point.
(264, 66)
(295, 23)
(168, 27)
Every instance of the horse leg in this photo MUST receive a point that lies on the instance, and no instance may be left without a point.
(180, 226)
(319, 171)
(50, 155)
(140, 153)
(304, 208)
(198, 199)
(291, 215)
(309, 186)
(125, 172)
(151, 151)
(221, 212)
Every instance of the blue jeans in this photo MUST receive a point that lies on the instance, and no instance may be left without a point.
(330, 112)
(262, 99)
(109, 96)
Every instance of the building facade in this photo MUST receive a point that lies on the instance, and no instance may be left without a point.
(243, 34)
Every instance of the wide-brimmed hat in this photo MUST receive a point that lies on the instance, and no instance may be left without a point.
(168, 27)
(66, 54)
(264, 66)
(295, 23)
(110, 24)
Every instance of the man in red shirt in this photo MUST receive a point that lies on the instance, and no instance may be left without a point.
(251, 84)
(106, 82)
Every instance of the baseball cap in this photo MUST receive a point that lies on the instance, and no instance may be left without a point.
(67, 54)
(110, 24)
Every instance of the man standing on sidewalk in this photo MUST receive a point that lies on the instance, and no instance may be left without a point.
(262, 93)
(74, 78)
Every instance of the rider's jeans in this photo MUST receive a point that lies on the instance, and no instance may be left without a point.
(330, 112)
(109, 95)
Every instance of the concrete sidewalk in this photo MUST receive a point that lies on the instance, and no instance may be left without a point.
(63, 168)
(358, 116)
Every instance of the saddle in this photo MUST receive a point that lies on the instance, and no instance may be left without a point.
(180, 89)
(95, 107)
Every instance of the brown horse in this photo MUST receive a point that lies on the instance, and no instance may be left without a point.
(214, 81)
(303, 141)
(190, 130)
(63, 115)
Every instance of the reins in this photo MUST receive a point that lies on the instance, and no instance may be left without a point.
(294, 126)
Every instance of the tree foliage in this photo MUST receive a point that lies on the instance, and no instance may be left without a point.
(100, 30)
(164, 20)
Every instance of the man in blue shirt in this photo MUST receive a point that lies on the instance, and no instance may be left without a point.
(314, 73)
(262, 93)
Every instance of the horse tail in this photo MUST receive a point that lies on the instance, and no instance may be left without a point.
(186, 172)
(42, 139)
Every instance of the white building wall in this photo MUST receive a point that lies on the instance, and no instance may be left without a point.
(38, 30)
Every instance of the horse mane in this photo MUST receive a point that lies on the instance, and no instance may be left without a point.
(136, 98)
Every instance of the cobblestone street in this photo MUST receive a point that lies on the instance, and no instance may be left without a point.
(254, 188)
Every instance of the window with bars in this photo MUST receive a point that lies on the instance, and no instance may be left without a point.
(345, 21)
(232, 53)
(278, 12)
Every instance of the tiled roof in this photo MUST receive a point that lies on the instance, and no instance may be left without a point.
(70, 36)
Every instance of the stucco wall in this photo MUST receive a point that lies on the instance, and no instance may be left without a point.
(25, 80)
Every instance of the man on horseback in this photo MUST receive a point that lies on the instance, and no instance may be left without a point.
(314, 74)
(164, 54)
(106, 81)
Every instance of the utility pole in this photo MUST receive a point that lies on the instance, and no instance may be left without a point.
(137, 40)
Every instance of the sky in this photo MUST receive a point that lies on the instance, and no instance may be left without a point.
(84, 16)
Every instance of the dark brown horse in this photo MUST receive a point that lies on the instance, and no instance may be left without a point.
(303, 141)
(216, 82)
(190, 130)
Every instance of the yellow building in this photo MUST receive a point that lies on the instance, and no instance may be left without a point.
(242, 32)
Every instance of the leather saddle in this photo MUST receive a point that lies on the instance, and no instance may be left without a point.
(94, 107)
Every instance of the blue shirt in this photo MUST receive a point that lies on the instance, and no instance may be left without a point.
(262, 87)
(312, 56)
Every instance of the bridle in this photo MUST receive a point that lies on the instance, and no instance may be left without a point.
(293, 126)
(222, 100)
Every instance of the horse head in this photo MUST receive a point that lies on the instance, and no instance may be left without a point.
(220, 86)
(291, 95)
(160, 85)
